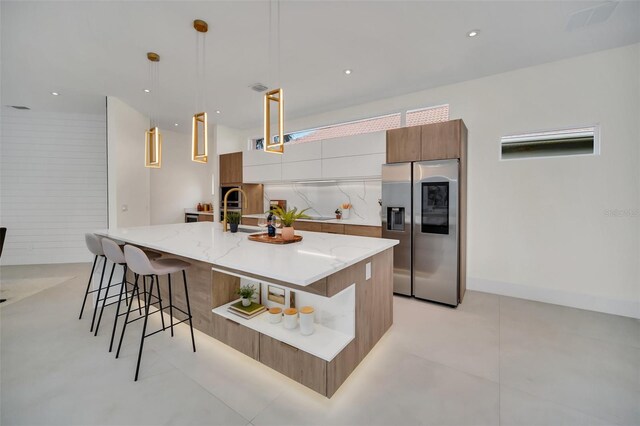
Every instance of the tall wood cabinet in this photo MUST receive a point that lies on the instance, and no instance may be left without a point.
(437, 141)
(231, 168)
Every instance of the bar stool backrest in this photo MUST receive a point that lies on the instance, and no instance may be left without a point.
(93, 244)
(112, 251)
(138, 261)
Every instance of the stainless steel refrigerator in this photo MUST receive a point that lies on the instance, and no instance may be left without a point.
(420, 208)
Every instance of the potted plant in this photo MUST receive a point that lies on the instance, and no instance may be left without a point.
(338, 213)
(346, 210)
(233, 219)
(246, 292)
(288, 218)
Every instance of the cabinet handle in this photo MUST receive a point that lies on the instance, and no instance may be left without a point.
(288, 345)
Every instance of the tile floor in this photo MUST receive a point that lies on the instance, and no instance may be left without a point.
(493, 360)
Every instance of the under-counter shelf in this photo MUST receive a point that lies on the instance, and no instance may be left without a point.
(324, 343)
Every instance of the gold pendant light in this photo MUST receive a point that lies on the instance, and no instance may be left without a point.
(199, 126)
(276, 95)
(152, 137)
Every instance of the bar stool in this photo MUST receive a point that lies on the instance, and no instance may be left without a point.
(95, 246)
(113, 252)
(140, 264)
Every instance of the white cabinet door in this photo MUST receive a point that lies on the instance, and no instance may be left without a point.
(302, 151)
(368, 143)
(257, 157)
(262, 173)
(302, 170)
(353, 167)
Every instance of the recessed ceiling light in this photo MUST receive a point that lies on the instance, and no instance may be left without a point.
(176, 124)
(146, 90)
(473, 33)
(55, 93)
(347, 71)
(217, 111)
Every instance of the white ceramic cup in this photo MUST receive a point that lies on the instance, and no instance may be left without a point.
(306, 320)
(275, 315)
(290, 318)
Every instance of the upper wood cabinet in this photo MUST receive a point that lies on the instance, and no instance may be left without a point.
(441, 141)
(231, 168)
(436, 141)
(403, 144)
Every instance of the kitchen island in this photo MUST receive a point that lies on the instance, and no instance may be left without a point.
(347, 279)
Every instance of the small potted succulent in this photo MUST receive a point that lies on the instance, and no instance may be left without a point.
(338, 213)
(233, 218)
(246, 292)
(288, 218)
(346, 210)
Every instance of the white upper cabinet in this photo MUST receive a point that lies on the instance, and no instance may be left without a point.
(302, 152)
(257, 157)
(359, 156)
(368, 143)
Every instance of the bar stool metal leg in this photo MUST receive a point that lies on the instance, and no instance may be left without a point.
(186, 295)
(159, 301)
(126, 318)
(115, 319)
(86, 293)
(170, 304)
(104, 300)
(144, 328)
(95, 309)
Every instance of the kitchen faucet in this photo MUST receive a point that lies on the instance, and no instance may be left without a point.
(244, 205)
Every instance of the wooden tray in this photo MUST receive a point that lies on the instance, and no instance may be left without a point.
(265, 238)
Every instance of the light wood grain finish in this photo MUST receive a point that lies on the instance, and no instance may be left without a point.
(298, 365)
(308, 226)
(374, 316)
(403, 144)
(333, 228)
(255, 198)
(363, 231)
(231, 168)
(239, 337)
(250, 221)
(346, 277)
(441, 141)
(205, 218)
(223, 289)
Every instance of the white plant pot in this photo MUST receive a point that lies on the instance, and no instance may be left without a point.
(346, 214)
(246, 302)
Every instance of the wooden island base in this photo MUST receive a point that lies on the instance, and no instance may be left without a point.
(209, 289)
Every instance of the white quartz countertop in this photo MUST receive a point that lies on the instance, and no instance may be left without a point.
(317, 256)
(351, 221)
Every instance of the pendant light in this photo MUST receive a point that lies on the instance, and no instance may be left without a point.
(152, 137)
(274, 96)
(199, 127)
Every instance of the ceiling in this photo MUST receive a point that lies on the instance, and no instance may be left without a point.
(87, 50)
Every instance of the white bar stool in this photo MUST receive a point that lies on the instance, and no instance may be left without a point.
(114, 253)
(95, 246)
(140, 264)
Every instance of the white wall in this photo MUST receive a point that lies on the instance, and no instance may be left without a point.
(180, 182)
(53, 185)
(539, 228)
(129, 180)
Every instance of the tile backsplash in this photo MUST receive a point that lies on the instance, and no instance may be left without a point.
(323, 198)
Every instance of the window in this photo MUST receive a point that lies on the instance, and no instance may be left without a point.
(429, 115)
(554, 143)
(369, 125)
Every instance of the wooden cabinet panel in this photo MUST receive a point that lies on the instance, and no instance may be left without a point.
(363, 231)
(298, 365)
(308, 226)
(403, 144)
(251, 221)
(239, 337)
(231, 168)
(255, 198)
(333, 228)
(441, 141)
(205, 218)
